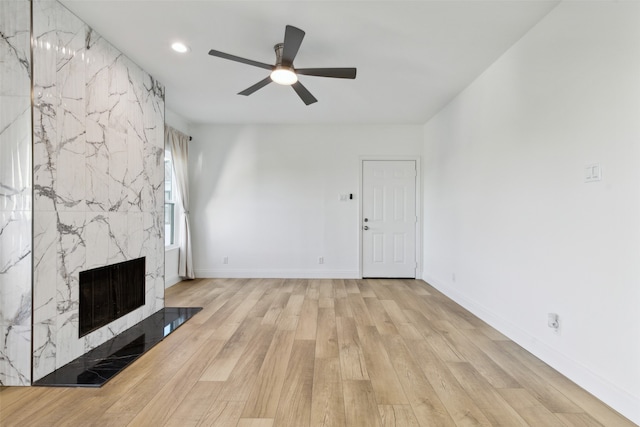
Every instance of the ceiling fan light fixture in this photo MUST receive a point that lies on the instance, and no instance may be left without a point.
(284, 76)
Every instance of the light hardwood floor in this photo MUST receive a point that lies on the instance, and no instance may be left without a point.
(293, 352)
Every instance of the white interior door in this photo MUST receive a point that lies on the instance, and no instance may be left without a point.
(389, 218)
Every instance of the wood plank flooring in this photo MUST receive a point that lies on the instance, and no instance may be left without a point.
(294, 352)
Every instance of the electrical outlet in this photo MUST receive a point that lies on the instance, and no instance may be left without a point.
(225, 260)
(453, 277)
(592, 172)
(321, 260)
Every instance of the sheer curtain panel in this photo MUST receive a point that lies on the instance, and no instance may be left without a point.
(178, 143)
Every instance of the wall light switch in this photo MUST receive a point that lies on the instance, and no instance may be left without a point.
(592, 172)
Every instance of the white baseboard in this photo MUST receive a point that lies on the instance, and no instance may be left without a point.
(170, 281)
(625, 403)
(284, 274)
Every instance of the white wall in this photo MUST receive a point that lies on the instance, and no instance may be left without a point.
(267, 197)
(507, 210)
(176, 121)
(171, 258)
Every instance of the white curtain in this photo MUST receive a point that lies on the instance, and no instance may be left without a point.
(178, 143)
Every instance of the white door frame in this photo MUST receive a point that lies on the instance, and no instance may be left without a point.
(361, 161)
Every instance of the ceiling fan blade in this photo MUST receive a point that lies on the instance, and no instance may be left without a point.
(262, 83)
(292, 40)
(338, 73)
(303, 93)
(239, 59)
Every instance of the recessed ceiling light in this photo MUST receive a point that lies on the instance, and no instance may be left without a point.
(180, 47)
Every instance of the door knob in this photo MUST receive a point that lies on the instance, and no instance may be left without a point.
(366, 227)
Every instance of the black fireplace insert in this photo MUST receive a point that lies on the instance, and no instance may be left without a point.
(108, 293)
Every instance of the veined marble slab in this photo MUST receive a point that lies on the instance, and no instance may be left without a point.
(15, 193)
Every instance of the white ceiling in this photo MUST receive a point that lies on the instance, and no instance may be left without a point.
(412, 57)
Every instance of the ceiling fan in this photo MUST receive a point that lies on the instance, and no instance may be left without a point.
(283, 71)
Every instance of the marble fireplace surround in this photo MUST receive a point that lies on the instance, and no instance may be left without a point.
(93, 195)
(15, 193)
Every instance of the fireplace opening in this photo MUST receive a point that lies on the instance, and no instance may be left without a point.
(108, 293)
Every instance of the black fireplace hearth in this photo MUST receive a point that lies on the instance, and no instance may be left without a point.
(96, 367)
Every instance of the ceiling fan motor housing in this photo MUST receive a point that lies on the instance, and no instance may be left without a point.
(283, 74)
(279, 47)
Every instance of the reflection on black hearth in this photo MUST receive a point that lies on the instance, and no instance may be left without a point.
(95, 368)
(107, 368)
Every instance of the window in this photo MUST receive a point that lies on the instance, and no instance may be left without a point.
(169, 201)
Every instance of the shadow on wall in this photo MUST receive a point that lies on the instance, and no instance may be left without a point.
(234, 166)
